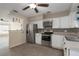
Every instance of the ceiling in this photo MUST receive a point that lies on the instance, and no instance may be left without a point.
(53, 8)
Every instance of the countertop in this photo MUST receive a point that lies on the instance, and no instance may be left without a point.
(70, 36)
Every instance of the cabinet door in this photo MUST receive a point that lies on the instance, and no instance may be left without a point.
(73, 21)
(38, 38)
(65, 22)
(40, 24)
(57, 41)
(56, 23)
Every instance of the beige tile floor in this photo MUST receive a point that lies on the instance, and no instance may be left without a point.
(30, 50)
(26, 49)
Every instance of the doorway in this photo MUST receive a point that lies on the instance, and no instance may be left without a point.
(4, 34)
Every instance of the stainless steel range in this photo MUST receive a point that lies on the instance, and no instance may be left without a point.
(46, 38)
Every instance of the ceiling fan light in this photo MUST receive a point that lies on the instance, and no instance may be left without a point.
(32, 6)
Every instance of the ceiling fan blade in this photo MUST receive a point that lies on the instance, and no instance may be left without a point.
(43, 5)
(15, 11)
(26, 8)
(36, 10)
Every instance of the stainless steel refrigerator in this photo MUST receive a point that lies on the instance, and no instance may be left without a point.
(30, 32)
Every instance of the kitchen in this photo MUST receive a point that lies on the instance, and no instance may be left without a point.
(52, 30)
(57, 32)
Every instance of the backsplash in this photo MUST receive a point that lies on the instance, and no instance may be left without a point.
(64, 31)
(75, 30)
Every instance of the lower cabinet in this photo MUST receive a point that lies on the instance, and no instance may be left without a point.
(38, 38)
(57, 41)
(71, 48)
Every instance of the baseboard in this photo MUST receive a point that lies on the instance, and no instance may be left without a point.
(17, 44)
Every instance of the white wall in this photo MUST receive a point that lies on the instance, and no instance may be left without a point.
(7, 15)
(35, 18)
(17, 36)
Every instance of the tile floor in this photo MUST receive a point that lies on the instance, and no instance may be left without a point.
(30, 50)
(26, 49)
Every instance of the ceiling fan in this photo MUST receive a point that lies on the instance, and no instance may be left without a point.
(34, 6)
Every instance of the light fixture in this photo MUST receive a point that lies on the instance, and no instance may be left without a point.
(32, 6)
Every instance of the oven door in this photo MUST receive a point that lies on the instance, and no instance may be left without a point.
(46, 40)
(46, 37)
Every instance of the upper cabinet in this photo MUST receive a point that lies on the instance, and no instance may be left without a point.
(45, 23)
(72, 17)
(70, 21)
(65, 22)
(40, 24)
(61, 22)
(56, 23)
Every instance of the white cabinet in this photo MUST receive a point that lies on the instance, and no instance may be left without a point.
(40, 24)
(57, 41)
(65, 22)
(61, 22)
(74, 52)
(73, 21)
(56, 22)
(38, 38)
(71, 48)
